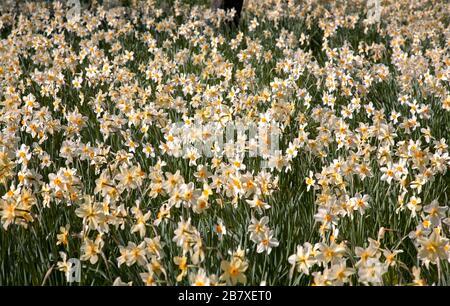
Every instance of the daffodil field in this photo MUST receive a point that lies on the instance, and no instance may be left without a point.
(159, 143)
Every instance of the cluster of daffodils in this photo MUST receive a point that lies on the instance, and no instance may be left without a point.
(163, 145)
